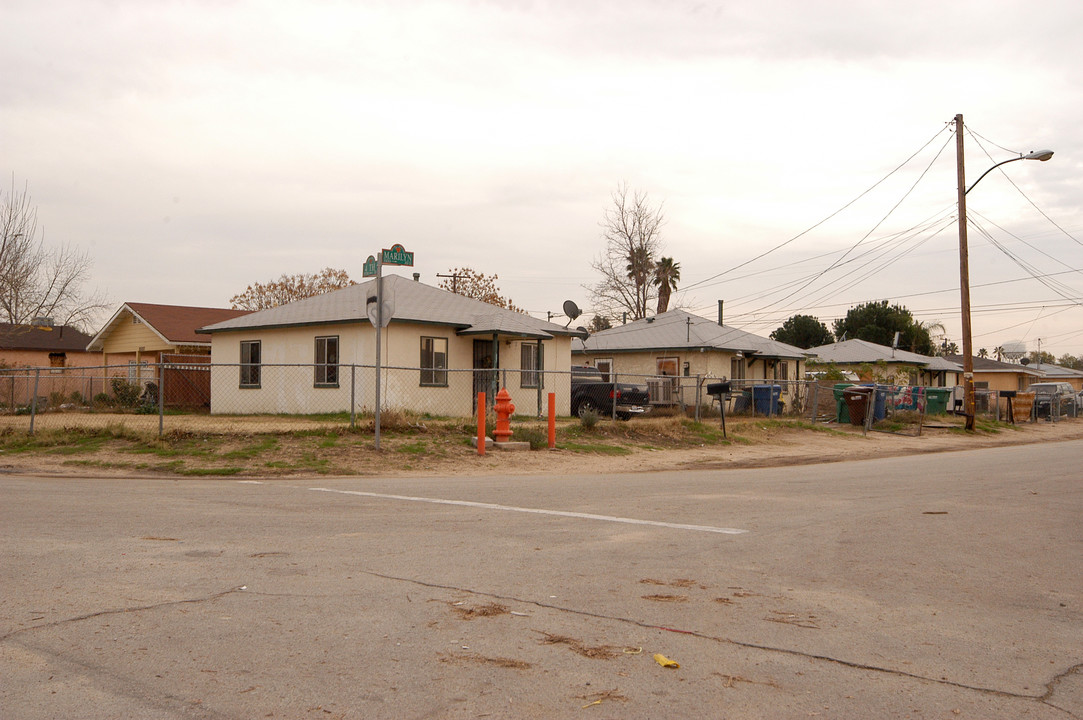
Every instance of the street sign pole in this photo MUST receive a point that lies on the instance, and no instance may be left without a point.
(379, 332)
(396, 255)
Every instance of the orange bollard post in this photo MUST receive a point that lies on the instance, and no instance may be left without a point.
(552, 420)
(504, 409)
(481, 423)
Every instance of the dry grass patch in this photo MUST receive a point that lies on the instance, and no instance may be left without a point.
(595, 652)
(487, 610)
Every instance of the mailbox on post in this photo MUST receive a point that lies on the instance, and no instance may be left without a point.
(720, 390)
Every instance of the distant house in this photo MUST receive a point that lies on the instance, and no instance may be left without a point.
(1059, 373)
(140, 334)
(678, 343)
(873, 362)
(42, 344)
(52, 351)
(994, 375)
(438, 350)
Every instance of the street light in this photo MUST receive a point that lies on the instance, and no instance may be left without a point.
(964, 269)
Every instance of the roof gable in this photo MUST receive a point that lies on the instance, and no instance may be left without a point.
(412, 301)
(174, 324)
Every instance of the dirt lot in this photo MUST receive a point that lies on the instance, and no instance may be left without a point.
(280, 447)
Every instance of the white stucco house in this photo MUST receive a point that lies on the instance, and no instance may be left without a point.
(677, 344)
(438, 350)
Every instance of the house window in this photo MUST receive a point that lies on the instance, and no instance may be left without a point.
(605, 367)
(136, 370)
(666, 366)
(434, 361)
(327, 361)
(782, 370)
(250, 363)
(529, 363)
(737, 368)
(56, 361)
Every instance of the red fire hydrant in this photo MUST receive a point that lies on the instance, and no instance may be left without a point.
(504, 409)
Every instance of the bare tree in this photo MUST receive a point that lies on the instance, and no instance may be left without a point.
(473, 284)
(37, 281)
(287, 288)
(632, 232)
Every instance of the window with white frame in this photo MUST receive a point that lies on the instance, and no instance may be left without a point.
(326, 361)
(434, 361)
(530, 365)
(250, 363)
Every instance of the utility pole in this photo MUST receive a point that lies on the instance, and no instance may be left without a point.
(964, 282)
(454, 281)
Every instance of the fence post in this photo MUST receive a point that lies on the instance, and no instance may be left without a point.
(353, 396)
(699, 388)
(34, 399)
(613, 397)
(161, 398)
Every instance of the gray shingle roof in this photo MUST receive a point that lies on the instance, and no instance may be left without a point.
(413, 302)
(861, 351)
(679, 330)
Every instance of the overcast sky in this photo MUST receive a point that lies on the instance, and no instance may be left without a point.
(196, 147)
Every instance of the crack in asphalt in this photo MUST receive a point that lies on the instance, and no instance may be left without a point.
(1044, 698)
(120, 611)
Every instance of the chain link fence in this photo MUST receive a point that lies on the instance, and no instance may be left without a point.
(188, 393)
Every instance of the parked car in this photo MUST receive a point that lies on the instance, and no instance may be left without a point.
(1067, 400)
(591, 391)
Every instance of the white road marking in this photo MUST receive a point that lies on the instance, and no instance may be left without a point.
(537, 511)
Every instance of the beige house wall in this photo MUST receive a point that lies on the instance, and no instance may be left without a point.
(40, 358)
(1006, 380)
(709, 364)
(292, 389)
(31, 368)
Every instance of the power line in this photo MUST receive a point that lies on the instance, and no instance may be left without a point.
(821, 222)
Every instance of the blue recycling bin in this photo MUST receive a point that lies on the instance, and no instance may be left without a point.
(879, 403)
(765, 399)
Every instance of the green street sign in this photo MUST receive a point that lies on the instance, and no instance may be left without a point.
(398, 255)
(369, 268)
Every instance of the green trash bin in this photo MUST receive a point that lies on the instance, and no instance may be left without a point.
(937, 400)
(842, 413)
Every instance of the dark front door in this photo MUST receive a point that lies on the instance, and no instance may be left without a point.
(484, 374)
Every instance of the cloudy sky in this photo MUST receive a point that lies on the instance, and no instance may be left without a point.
(195, 147)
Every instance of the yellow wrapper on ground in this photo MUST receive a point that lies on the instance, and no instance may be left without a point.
(665, 662)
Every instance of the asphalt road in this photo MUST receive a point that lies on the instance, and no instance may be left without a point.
(934, 586)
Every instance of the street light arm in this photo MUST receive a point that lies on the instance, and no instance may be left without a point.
(1041, 155)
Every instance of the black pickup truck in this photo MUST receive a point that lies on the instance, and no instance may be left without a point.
(590, 391)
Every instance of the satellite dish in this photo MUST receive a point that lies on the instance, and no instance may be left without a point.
(581, 333)
(571, 311)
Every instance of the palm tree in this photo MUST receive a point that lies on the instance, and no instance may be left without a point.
(666, 275)
(999, 352)
(639, 268)
(983, 353)
(924, 332)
